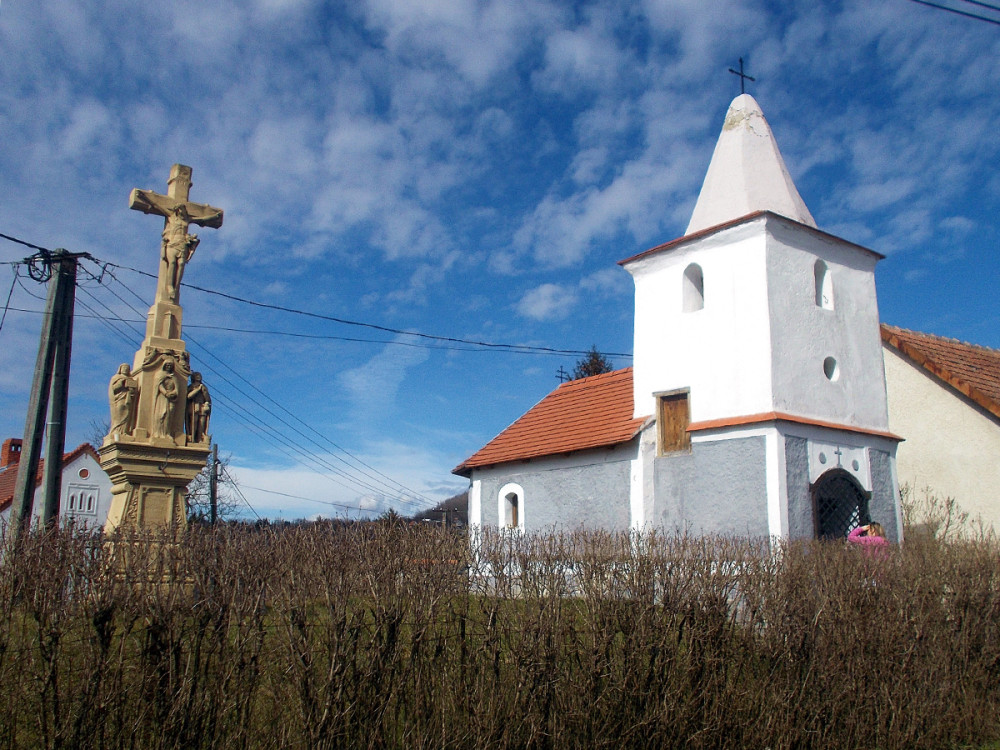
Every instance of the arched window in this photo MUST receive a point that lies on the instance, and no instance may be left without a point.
(510, 508)
(840, 504)
(694, 288)
(824, 285)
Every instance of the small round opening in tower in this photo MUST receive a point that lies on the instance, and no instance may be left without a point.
(831, 369)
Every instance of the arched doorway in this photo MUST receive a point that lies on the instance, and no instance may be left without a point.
(839, 504)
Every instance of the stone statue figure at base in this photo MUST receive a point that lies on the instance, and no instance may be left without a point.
(199, 410)
(123, 393)
(165, 402)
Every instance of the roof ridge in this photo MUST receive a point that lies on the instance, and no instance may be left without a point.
(590, 379)
(920, 349)
(939, 337)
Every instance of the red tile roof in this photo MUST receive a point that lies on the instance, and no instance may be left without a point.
(8, 475)
(973, 371)
(592, 412)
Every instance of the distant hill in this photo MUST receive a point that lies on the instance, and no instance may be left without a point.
(454, 510)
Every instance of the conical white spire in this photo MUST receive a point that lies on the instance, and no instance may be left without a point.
(747, 173)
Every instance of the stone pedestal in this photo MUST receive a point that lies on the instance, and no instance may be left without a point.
(148, 482)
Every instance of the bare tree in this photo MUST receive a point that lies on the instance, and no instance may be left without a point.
(198, 497)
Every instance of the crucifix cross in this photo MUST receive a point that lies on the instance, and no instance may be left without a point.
(178, 212)
(838, 453)
(743, 76)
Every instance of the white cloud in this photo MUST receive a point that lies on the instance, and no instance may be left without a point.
(478, 39)
(373, 386)
(547, 302)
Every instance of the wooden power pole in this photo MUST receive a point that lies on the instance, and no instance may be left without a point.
(49, 394)
(213, 486)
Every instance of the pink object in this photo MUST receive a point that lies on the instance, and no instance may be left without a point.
(875, 546)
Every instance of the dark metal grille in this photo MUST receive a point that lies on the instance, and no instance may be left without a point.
(840, 506)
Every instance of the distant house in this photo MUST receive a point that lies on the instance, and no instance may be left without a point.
(756, 404)
(944, 400)
(86, 489)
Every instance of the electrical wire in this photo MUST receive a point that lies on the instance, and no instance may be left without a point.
(982, 4)
(958, 12)
(312, 336)
(308, 499)
(26, 244)
(233, 483)
(375, 326)
(397, 491)
(13, 283)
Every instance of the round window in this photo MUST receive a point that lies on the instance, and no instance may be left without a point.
(84, 473)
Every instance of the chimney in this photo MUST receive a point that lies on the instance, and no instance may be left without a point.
(11, 453)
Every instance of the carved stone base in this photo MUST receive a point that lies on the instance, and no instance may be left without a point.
(148, 482)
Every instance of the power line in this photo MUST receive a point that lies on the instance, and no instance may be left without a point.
(982, 4)
(26, 244)
(13, 283)
(235, 486)
(375, 326)
(393, 488)
(518, 348)
(308, 499)
(961, 12)
(293, 334)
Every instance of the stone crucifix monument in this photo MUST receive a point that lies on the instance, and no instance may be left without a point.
(160, 409)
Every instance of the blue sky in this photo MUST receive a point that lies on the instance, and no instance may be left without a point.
(470, 169)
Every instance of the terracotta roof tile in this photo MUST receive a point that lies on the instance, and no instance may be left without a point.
(973, 371)
(8, 475)
(592, 412)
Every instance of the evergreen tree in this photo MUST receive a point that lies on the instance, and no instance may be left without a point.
(594, 363)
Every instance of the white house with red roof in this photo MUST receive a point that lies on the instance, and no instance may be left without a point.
(944, 398)
(86, 490)
(756, 404)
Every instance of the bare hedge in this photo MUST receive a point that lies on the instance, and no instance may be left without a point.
(409, 637)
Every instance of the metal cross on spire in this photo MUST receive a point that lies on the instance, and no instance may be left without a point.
(743, 77)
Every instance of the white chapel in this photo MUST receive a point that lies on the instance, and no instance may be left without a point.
(756, 404)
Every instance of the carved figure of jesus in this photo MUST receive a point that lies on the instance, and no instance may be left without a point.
(178, 247)
(165, 401)
(178, 212)
(123, 392)
(199, 409)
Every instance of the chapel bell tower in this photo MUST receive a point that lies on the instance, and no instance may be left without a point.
(757, 350)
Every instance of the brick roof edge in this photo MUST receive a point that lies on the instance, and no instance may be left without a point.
(890, 335)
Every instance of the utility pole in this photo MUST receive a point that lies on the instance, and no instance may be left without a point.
(49, 392)
(213, 486)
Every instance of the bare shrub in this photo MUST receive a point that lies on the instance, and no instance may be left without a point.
(390, 635)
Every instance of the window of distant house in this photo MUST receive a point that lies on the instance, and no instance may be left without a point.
(673, 415)
(824, 285)
(511, 506)
(81, 500)
(694, 288)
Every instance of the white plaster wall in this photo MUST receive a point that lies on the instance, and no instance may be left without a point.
(803, 334)
(951, 445)
(721, 352)
(475, 504)
(760, 341)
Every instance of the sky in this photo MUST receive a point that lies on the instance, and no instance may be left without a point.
(465, 169)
